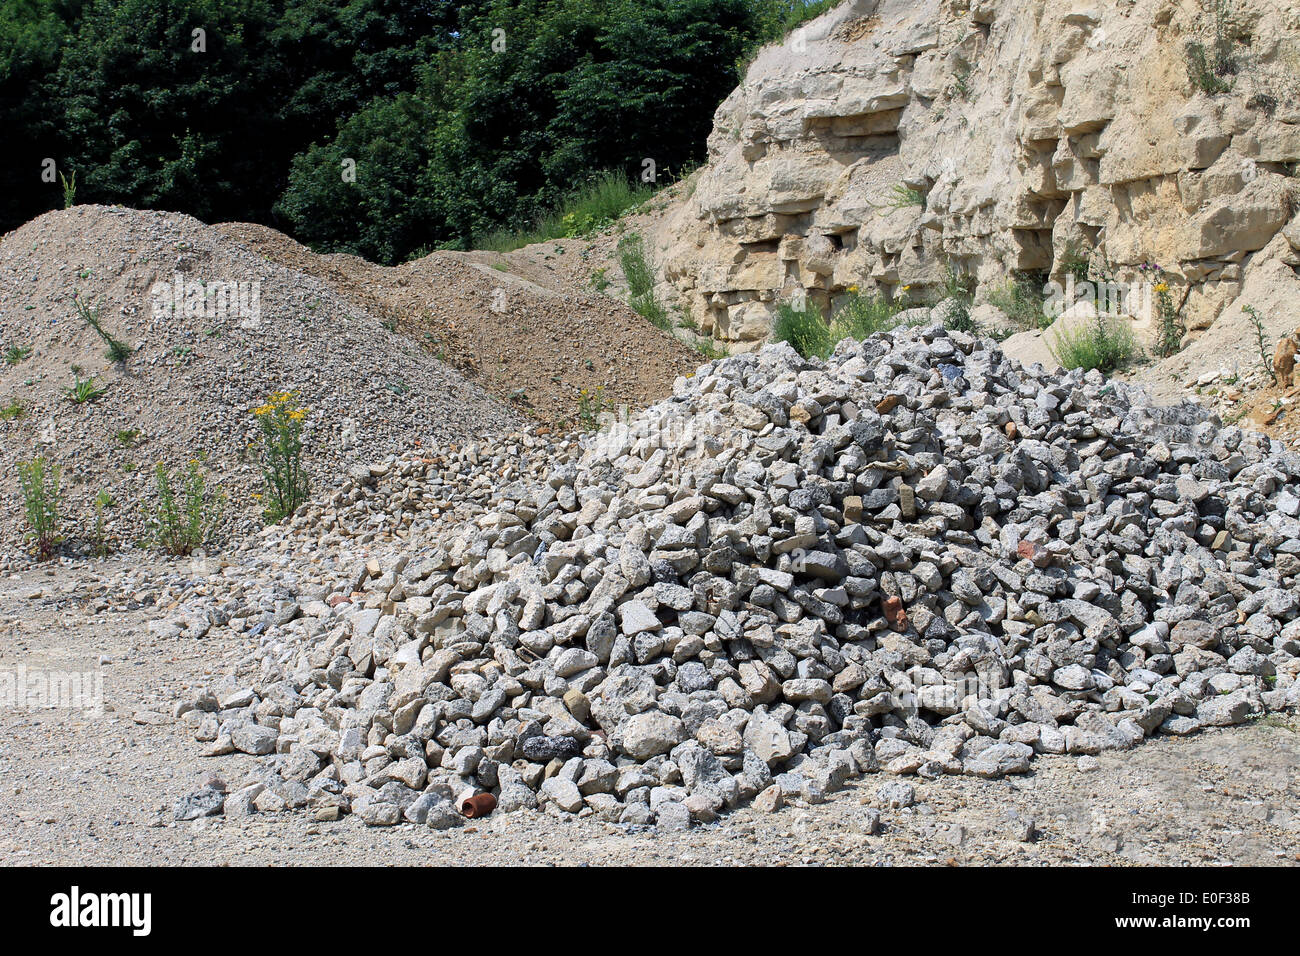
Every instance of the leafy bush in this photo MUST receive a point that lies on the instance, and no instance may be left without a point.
(958, 296)
(1075, 261)
(591, 403)
(39, 481)
(862, 316)
(858, 317)
(185, 514)
(287, 485)
(1104, 344)
(1202, 71)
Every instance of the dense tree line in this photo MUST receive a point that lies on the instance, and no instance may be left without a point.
(372, 126)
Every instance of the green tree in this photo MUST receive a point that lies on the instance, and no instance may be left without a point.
(31, 34)
(148, 120)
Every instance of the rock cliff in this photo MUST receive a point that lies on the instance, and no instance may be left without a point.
(888, 141)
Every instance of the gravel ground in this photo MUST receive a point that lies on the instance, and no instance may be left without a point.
(87, 790)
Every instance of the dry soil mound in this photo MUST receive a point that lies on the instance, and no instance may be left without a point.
(529, 335)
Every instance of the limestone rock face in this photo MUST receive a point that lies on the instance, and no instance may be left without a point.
(889, 140)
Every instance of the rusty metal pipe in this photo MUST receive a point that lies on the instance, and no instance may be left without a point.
(479, 805)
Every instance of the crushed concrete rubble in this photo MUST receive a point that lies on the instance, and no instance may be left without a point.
(915, 558)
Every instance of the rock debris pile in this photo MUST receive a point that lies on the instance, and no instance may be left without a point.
(915, 558)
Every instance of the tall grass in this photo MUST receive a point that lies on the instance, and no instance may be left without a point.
(592, 206)
(804, 329)
(859, 317)
(1104, 344)
(1022, 298)
(641, 282)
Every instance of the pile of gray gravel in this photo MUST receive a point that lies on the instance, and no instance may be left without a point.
(196, 370)
(917, 557)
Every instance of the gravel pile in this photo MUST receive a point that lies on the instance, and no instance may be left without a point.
(917, 557)
(194, 373)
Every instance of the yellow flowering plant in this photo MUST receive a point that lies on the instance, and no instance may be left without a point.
(1170, 328)
(287, 486)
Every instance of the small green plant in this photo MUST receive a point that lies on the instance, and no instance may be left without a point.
(591, 403)
(641, 282)
(83, 390)
(901, 196)
(709, 350)
(961, 86)
(99, 546)
(127, 437)
(1022, 298)
(1075, 261)
(1261, 342)
(599, 281)
(12, 412)
(39, 481)
(185, 514)
(587, 209)
(1201, 71)
(118, 351)
(287, 485)
(398, 386)
(16, 354)
(1104, 344)
(958, 294)
(69, 189)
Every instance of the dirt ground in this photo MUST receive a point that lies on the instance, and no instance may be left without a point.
(535, 336)
(81, 789)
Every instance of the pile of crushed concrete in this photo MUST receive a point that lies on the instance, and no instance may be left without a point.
(917, 557)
